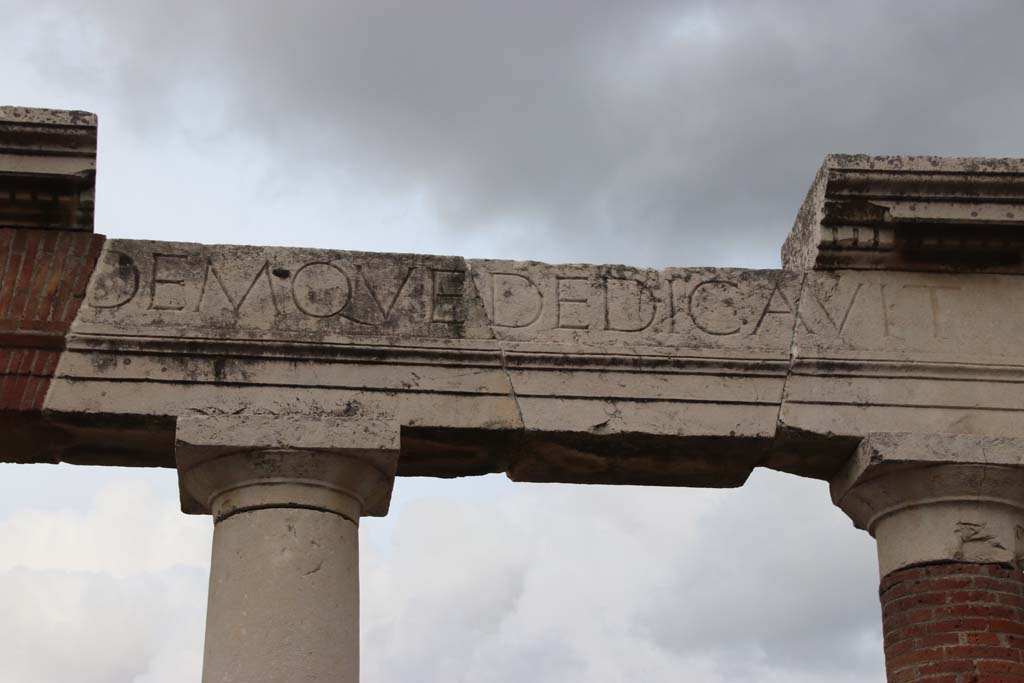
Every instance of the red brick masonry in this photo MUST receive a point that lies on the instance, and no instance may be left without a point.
(43, 276)
(954, 623)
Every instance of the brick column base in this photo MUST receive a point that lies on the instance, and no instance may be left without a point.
(956, 622)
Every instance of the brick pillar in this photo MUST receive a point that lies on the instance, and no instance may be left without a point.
(961, 622)
(947, 513)
(47, 253)
(43, 275)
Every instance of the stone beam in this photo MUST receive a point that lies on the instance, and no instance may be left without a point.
(551, 373)
(575, 373)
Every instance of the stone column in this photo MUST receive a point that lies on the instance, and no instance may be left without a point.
(284, 578)
(947, 513)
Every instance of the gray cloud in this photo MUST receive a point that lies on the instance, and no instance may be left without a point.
(650, 132)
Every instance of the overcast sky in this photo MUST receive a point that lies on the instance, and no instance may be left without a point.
(648, 133)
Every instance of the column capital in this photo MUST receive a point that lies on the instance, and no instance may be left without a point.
(230, 464)
(932, 498)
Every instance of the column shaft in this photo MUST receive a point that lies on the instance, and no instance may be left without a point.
(284, 598)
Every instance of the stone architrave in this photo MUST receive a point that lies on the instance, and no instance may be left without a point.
(289, 386)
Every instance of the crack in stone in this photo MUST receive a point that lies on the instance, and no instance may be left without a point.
(511, 385)
(789, 365)
(501, 345)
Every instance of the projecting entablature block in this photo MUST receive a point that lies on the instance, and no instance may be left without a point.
(911, 213)
(47, 168)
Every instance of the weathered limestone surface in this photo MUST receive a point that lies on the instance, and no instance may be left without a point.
(574, 373)
(921, 352)
(933, 498)
(47, 168)
(284, 599)
(213, 455)
(911, 213)
(549, 372)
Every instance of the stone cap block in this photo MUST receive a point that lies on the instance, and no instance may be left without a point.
(47, 168)
(251, 432)
(932, 498)
(911, 213)
(937, 461)
(234, 451)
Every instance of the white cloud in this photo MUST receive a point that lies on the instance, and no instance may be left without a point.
(94, 628)
(131, 528)
(106, 588)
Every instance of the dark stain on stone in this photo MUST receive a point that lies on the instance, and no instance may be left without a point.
(219, 366)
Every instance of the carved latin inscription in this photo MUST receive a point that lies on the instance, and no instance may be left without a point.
(676, 307)
(246, 288)
(729, 308)
(265, 290)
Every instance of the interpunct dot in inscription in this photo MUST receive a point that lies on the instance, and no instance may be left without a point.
(321, 289)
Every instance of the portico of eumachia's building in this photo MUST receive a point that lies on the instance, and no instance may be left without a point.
(291, 387)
